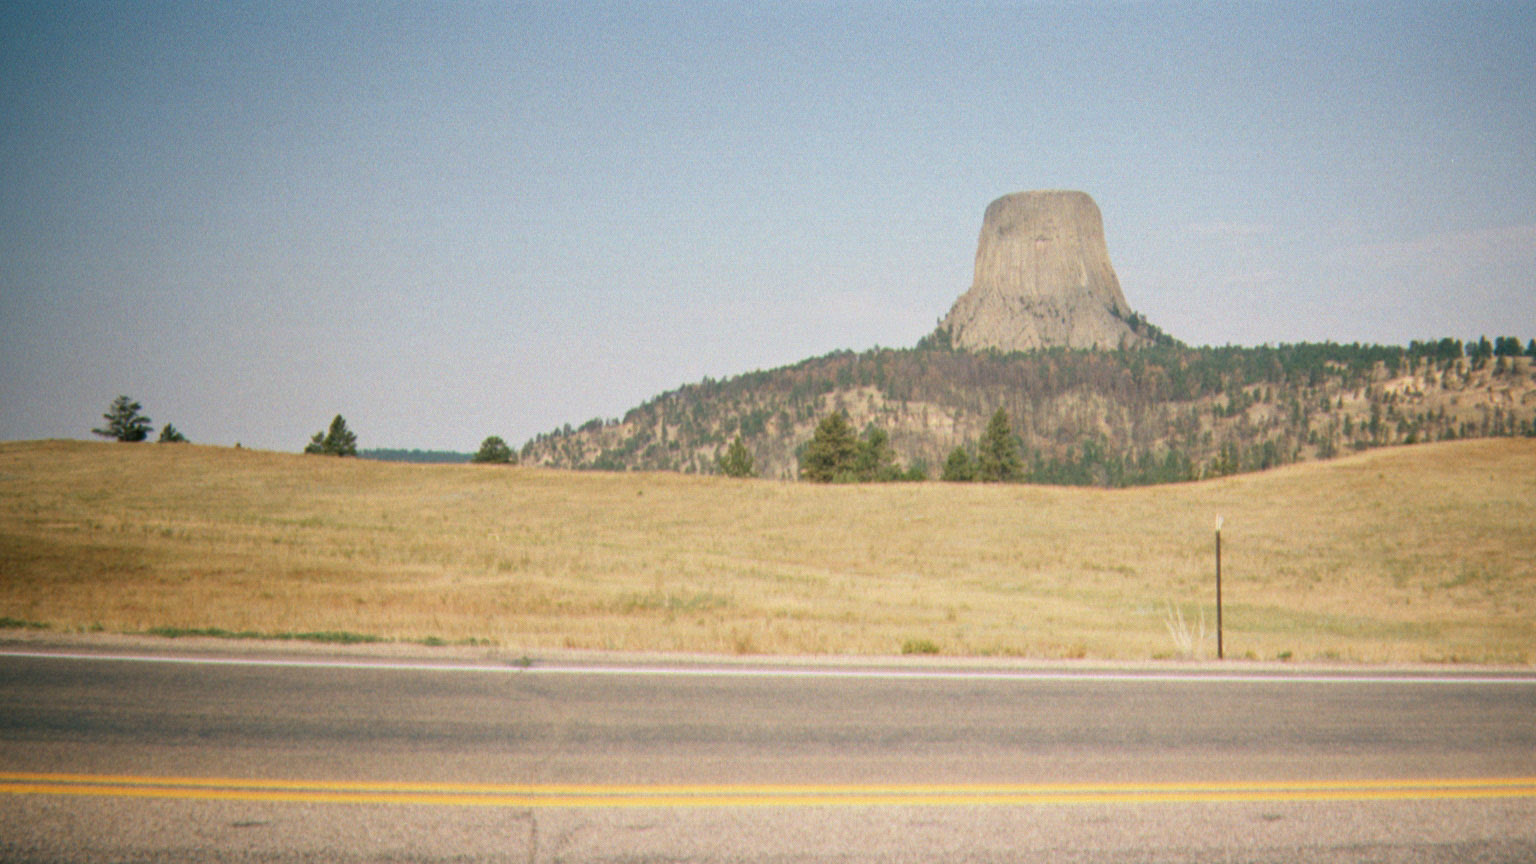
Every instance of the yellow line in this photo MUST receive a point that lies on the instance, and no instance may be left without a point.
(694, 788)
(727, 795)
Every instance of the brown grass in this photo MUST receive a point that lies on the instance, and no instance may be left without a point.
(1411, 554)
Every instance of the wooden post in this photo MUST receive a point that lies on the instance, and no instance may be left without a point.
(1219, 652)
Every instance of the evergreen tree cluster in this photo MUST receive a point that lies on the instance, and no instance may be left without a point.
(126, 424)
(835, 455)
(997, 457)
(1164, 413)
(338, 440)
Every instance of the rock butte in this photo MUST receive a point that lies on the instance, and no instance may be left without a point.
(1043, 279)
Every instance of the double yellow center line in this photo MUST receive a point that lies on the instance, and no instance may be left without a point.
(729, 795)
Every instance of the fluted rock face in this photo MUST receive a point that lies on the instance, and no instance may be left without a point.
(1043, 279)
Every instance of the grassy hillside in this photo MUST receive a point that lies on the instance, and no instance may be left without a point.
(1422, 553)
(1096, 418)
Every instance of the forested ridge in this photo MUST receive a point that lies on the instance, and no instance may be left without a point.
(1166, 413)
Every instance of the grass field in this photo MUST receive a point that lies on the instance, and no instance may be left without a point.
(1423, 553)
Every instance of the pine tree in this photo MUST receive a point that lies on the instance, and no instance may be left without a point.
(493, 450)
(958, 467)
(875, 461)
(737, 461)
(338, 441)
(124, 422)
(997, 455)
(170, 435)
(1480, 352)
(831, 453)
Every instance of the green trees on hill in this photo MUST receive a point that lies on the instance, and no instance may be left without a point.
(415, 456)
(832, 451)
(737, 461)
(1162, 413)
(958, 468)
(1443, 351)
(1479, 352)
(337, 441)
(998, 458)
(1506, 346)
(494, 451)
(835, 455)
(876, 461)
(124, 422)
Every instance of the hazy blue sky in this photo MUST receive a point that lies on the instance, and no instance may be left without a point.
(448, 221)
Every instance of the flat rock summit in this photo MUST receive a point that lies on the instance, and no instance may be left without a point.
(1043, 279)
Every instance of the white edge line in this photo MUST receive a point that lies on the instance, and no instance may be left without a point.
(1258, 677)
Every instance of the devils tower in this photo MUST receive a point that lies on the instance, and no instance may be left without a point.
(1043, 279)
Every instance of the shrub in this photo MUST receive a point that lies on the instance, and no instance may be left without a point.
(919, 646)
(493, 450)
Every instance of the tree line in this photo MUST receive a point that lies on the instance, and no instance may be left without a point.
(835, 455)
(127, 423)
(1107, 418)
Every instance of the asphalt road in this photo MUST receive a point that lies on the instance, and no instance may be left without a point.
(374, 759)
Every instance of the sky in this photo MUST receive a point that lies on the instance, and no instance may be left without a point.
(446, 221)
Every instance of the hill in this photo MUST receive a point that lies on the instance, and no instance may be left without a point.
(1095, 393)
(1409, 554)
(1164, 413)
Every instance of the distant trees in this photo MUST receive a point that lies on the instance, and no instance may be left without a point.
(1108, 418)
(337, 441)
(737, 461)
(958, 468)
(875, 461)
(1443, 351)
(833, 448)
(124, 422)
(1506, 346)
(835, 455)
(494, 451)
(997, 460)
(997, 456)
(1479, 352)
(939, 340)
(170, 435)
(417, 456)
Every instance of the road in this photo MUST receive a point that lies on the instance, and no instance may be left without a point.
(270, 758)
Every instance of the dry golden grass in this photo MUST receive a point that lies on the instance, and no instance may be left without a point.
(1412, 554)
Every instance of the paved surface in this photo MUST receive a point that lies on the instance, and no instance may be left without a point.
(378, 760)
